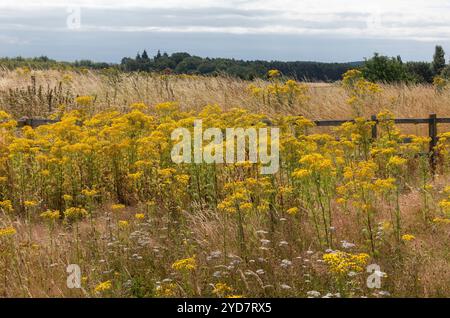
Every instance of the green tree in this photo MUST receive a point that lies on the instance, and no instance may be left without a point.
(178, 57)
(387, 70)
(189, 65)
(446, 72)
(438, 60)
(164, 63)
(158, 55)
(145, 56)
(420, 71)
(206, 67)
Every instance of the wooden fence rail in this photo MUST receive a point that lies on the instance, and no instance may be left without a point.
(33, 122)
(432, 122)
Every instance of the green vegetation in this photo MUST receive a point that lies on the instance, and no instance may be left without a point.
(45, 63)
(184, 63)
(379, 68)
(392, 69)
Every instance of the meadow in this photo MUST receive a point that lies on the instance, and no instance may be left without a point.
(345, 216)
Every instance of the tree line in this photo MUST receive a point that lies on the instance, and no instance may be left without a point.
(379, 68)
(184, 63)
(45, 63)
(393, 70)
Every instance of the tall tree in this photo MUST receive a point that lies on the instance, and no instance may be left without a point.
(138, 57)
(438, 60)
(158, 55)
(145, 56)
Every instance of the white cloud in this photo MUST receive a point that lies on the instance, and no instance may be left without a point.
(379, 19)
(11, 40)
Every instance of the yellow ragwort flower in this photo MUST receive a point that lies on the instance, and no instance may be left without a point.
(7, 232)
(408, 237)
(185, 264)
(102, 287)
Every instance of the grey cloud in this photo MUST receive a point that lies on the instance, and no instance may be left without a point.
(339, 36)
(206, 17)
(111, 47)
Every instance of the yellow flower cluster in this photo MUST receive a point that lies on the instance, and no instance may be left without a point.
(288, 94)
(408, 237)
(84, 100)
(117, 207)
(139, 216)
(292, 211)
(239, 195)
(166, 290)
(360, 90)
(273, 73)
(123, 225)
(185, 264)
(30, 204)
(445, 203)
(341, 263)
(8, 231)
(439, 83)
(6, 206)
(397, 161)
(222, 290)
(103, 287)
(50, 215)
(361, 181)
(89, 193)
(75, 214)
(441, 221)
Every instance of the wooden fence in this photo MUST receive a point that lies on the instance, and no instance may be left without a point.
(35, 122)
(431, 121)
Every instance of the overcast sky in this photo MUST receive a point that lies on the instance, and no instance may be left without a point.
(319, 30)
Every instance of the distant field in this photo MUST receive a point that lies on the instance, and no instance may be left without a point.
(326, 101)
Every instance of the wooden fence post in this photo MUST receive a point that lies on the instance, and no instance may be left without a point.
(432, 132)
(374, 127)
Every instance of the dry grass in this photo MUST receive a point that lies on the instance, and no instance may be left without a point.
(327, 101)
(112, 90)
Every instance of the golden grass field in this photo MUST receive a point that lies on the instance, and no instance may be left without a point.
(104, 194)
(327, 101)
